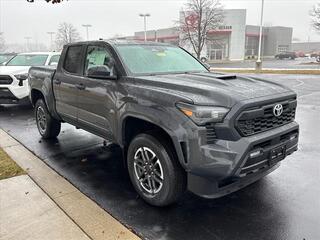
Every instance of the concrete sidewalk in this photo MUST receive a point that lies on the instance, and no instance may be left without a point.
(55, 209)
(26, 212)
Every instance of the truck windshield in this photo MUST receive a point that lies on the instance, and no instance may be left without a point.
(158, 59)
(28, 60)
(4, 58)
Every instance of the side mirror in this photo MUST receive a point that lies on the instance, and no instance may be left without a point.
(53, 64)
(100, 72)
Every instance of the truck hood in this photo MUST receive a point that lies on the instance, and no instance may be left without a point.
(213, 88)
(13, 70)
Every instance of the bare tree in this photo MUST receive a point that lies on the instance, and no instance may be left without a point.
(198, 17)
(315, 16)
(66, 33)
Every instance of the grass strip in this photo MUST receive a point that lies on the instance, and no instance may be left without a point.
(8, 168)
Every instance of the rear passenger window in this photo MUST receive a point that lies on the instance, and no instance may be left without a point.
(72, 60)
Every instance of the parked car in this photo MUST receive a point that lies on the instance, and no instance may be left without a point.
(14, 75)
(283, 55)
(5, 57)
(314, 54)
(179, 125)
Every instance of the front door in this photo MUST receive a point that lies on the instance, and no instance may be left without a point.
(97, 99)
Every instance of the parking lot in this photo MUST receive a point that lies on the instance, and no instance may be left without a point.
(283, 205)
(299, 63)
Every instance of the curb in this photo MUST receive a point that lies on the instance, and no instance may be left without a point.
(268, 71)
(93, 220)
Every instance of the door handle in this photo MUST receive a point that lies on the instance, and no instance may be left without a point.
(80, 86)
(57, 81)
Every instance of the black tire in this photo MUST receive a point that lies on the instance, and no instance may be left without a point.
(173, 175)
(48, 127)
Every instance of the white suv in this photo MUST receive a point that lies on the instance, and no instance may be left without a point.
(14, 87)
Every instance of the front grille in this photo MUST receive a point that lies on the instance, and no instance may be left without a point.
(211, 133)
(5, 79)
(256, 164)
(254, 121)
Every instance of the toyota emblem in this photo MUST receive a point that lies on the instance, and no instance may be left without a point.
(278, 110)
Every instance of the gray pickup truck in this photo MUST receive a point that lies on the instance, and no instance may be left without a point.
(179, 125)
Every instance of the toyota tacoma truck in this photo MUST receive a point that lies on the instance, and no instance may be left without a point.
(14, 87)
(180, 126)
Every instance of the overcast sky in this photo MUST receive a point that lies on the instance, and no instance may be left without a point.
(110, 17)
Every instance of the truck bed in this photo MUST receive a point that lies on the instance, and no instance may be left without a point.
(39, 75)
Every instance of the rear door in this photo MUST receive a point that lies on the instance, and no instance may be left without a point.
(67, 82)
(97, 99)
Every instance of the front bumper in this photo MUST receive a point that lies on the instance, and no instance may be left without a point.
(226, 166)
(17, 88)
(13, 91)
(7, 97)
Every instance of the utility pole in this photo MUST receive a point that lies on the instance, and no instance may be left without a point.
(51, 39)
(87, 26)
(28, 42)
(145, 24)
(259, 61)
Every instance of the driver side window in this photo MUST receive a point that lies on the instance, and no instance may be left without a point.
(98, 56)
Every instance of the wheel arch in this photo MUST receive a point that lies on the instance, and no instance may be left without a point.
(35, 95)
(132, 126)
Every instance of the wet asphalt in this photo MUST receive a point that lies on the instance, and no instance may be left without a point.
(284, 205)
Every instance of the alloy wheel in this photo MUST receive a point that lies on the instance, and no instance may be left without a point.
(148, 170)
(41, 120)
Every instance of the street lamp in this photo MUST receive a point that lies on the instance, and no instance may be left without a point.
(87, 26)
(145, 24)
(51, 34)
(259, 61)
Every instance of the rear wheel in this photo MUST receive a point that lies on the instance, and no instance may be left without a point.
(48, 126)
(154, 170)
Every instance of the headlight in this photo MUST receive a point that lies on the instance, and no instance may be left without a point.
(203, 114)
(22, 77)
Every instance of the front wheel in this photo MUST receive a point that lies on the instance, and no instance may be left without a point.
(48, 126)
(154, 170)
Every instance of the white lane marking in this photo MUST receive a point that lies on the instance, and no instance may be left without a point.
(299, 84)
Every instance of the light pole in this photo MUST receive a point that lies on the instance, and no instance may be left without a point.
(51, 34)
(145, 24)
(259, 61)
(87, 26)
(28, 40)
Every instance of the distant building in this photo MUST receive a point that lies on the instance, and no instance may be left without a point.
(306, 47)
(234, 40)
